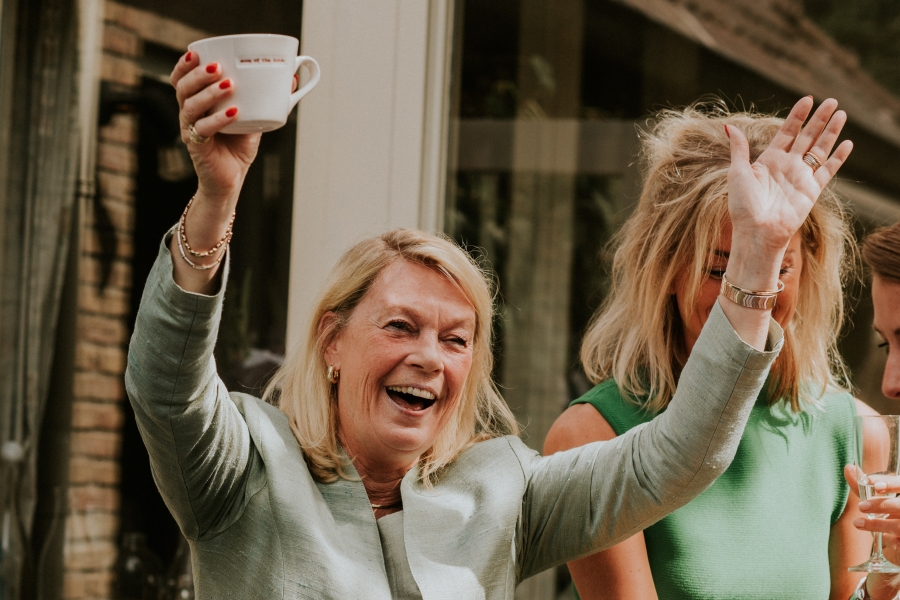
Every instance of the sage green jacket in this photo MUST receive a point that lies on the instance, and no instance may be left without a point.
(260, 527)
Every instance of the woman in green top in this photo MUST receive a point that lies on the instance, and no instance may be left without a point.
(779, 522)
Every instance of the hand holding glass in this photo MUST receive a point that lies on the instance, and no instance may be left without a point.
(876, 456)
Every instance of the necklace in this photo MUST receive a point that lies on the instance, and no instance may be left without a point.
(385, 506)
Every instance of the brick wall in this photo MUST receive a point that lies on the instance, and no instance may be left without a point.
(92, 524)
(99, 390)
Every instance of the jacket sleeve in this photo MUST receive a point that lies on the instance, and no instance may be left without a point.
(201, 455)
(590, 498)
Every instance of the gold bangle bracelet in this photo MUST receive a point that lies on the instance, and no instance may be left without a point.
(759, 300)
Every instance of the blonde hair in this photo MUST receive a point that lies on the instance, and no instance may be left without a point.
(636, 336)
(881, 251)
(305, 395)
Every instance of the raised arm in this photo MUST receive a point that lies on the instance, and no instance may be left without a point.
(199, 446)
(623, 571)
(594, 496)
(200, 451)
(221, 162)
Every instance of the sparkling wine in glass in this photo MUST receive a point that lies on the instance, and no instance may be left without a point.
(877, 445)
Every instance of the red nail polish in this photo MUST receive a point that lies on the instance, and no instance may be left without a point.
(211, 67)
(225, 84)
(188, 57)
(726, 131)
(230, 112)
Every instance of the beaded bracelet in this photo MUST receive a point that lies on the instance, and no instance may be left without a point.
(225, 238)
(195, 265)
(183, 242)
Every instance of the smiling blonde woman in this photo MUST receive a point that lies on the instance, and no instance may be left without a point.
(302, 382)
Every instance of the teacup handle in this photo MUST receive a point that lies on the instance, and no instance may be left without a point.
(313, 68)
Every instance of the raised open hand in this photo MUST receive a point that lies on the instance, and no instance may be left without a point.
(222, 161)
(770, 199)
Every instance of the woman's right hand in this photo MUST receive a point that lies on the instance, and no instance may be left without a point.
(222, 162)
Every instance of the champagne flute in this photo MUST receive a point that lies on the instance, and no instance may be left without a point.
(878, 456)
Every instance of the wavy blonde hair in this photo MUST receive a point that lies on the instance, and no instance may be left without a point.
(636, 336)
(304, 394)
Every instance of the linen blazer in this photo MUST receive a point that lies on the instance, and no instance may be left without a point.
(259, 526)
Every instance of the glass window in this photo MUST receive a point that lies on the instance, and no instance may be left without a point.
(544, 178)
(544, 173)
(551, 97)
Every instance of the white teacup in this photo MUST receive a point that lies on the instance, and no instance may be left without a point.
(261, 67)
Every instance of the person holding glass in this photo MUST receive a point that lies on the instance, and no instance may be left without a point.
(881, 253)
(390, 467)
(779, 522)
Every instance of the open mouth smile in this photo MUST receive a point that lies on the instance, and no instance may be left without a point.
(410, 398)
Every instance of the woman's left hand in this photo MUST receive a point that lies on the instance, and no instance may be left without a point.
(770, 199)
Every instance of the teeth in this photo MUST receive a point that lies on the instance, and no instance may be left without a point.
(412, 391)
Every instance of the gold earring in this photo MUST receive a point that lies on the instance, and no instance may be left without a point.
(333, 374)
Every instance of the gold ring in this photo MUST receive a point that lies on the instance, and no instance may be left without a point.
(199, 139)
(812, 160)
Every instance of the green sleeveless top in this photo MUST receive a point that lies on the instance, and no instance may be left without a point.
(761, 530)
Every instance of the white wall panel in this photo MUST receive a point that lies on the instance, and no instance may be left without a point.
(362, 164)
